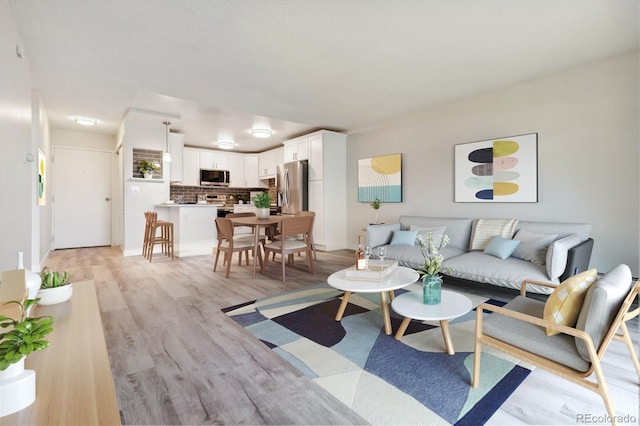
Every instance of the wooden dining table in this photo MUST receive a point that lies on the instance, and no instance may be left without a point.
(256, 223)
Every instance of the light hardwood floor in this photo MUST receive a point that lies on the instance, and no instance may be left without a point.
(177, 359)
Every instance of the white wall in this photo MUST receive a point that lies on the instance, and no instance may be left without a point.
(16, 175)
(146, 132)
(83, 139)
(587, 120)
(41, 219)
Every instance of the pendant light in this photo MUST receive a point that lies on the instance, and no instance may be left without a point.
(166, 156)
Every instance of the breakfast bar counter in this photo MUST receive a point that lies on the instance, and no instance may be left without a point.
(194, 227)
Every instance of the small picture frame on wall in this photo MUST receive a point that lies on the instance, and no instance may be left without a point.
(502, 170)
(381, 178)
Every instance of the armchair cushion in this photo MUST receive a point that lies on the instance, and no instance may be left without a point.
(532, 338)
(601, 304)
(564, 304)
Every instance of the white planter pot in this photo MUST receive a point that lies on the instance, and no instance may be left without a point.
(263, 213)
(17, 388)
(51, 296)
(147, 175)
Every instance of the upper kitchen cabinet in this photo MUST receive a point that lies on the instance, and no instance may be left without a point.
(176, 145)
(190, 167)
(269, 161)
(214, 160)
(251, 169)
(296, 149)
(237, 170)
(325, 145)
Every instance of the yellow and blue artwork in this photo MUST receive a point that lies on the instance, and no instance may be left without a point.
(42, 164)
(381, 178)
(498, 170)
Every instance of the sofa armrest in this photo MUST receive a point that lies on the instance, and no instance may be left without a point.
(578, 258)
(379, 235)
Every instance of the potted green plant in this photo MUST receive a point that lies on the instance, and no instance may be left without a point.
(147, 168)
(262, 202)
(375, 204)
(24, 336)
(55, 287)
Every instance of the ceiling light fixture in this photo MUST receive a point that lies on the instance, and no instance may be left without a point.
(225, 144)
(261, 133)
(166, 156)
(85, 121)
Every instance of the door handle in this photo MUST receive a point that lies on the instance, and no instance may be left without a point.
(107, 199)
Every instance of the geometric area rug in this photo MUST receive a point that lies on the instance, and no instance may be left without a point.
(412, 381)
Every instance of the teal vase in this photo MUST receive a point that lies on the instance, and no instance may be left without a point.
(431, 289)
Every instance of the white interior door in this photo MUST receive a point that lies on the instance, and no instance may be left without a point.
(81, 198)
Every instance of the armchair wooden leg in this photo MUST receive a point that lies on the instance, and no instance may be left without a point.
(625, 337)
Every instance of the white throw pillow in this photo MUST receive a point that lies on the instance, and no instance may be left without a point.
(558, 253)
(533, 247)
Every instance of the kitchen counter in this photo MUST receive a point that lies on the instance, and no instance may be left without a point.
(190, 205)
(194, 228)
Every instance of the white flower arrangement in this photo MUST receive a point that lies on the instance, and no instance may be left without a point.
(432, 257)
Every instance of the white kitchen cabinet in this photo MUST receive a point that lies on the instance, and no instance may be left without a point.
(328, 188)
(296, 149)
(268, 162)
(214, 160)
(176, 145)
(236, 171)
(190, 167)
(252, 179)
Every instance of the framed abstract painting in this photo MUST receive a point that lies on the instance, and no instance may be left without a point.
(503, 170)
(380, 177)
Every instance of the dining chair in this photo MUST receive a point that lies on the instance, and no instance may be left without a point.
(575, 352)
(245, 235)
(229, 245)
(299, 237)
(292, 227)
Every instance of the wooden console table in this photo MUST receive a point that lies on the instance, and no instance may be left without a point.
(74, 385)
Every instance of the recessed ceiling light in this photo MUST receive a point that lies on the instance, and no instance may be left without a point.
(261, 133)
(225, 144)
(85, 121)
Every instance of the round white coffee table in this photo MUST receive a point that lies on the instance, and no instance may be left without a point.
(400, 278)
(452, 305)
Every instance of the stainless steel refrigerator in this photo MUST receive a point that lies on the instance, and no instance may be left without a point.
(293, 187)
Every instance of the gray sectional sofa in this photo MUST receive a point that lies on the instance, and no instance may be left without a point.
(548, 251)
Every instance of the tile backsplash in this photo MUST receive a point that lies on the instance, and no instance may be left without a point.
(190, 193)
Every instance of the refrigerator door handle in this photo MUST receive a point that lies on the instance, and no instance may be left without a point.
(285, 194)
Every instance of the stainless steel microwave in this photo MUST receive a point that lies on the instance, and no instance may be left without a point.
(210, 177)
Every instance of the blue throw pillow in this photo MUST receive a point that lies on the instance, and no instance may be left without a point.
(501, 247)
(404, 238)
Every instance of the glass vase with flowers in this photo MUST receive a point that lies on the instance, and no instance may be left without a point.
(431, 268)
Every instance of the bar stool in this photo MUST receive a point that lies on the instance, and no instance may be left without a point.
(151, 237)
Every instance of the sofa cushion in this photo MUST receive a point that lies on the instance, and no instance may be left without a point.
(557, 254)
(501, 247)
(509, 272)
(533, 246)
(601, 304)
(380, 235)
(564, 304)
(485, 229)
(561, 229)
(404, 238)
(437, 232)
(457, 229)
(532, 338)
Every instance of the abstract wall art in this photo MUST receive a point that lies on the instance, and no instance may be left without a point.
(42, 174)
(503, 170)
(380, 177)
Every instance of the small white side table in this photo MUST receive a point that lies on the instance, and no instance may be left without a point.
(452, 305)
(399, 278)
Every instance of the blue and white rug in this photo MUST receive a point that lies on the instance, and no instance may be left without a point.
(384, 380)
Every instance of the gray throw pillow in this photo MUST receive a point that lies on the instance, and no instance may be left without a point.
(600, 306)
(533, 247)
